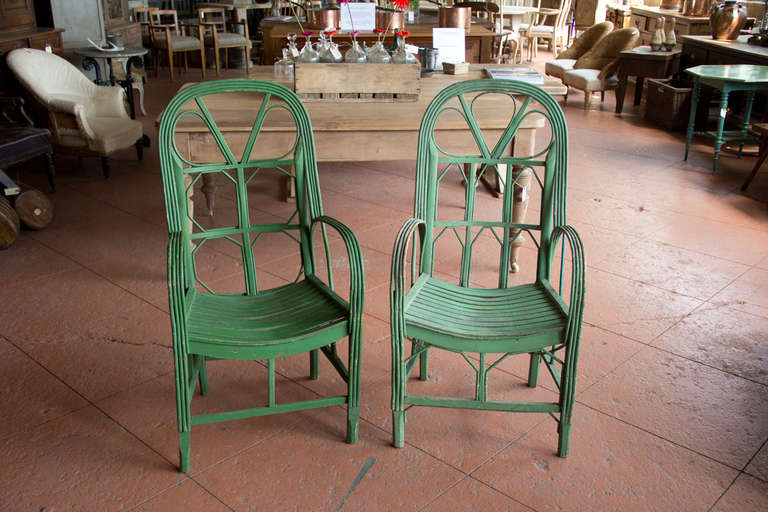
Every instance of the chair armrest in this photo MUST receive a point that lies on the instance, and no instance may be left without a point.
(78, 110)
(609, 69)
(177, 285)
(109, 102)
(578, 265)
(397, 279)
(356, 271)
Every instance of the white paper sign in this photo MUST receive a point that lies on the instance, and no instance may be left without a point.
(363, 17)
(450, 45)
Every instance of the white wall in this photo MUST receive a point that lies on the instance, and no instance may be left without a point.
(81, 19)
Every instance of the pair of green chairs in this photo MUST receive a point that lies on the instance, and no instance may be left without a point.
(310, 315)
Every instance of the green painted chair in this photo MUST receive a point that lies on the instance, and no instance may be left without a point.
(531, 318)
(304, 316)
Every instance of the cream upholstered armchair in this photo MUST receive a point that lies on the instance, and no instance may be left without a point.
(581, 45)
(596, 69)
(85, 119)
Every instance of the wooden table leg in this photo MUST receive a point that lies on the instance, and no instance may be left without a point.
(621, 90)
(638, 89)
(524, 146)
(209, 190)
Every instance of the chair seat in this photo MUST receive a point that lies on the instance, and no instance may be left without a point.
(438, 309)
(115, 133)
(559, 67)
(19, 143)
(538, 30)
(279, 315)
(179, 42)
(588, 80)
(226, 39)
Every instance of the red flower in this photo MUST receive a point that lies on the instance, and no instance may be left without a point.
(401, 4)
(403, 33)
(379, 31)
(330, 32)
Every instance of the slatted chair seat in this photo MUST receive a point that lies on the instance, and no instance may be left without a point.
(435, 309)
(279, 315)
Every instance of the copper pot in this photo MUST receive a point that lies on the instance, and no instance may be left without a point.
(455, 17)
(671, 4)
(323, 18)
(383, 17)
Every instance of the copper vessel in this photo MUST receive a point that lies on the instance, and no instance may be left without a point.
(455, 17)
(383, 20)
(322, 19)
(696, 7)
(671, 4)
(727, 19)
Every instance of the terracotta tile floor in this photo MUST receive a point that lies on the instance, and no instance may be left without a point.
(673, 381)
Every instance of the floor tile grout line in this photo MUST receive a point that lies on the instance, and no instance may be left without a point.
(744, 469)
(725, 491)
(215, 496)
(659, 436)
(443, 492)
(474, 478)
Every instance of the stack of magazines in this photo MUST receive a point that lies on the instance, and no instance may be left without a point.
(528, 75)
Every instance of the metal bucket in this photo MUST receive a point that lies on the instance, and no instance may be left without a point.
(323, 18)
(455, 17)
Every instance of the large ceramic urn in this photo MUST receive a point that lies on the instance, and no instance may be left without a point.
(726, 20)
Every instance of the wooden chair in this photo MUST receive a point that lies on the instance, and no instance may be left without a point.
(170, 37)
(20, 140)
(214, 23)
(533, 318)
(760, 129)
(142, 17)
(549, 24)
(305, 316)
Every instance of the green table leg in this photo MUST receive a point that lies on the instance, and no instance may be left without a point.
(747, 116)
(719, 140)
(692, 119)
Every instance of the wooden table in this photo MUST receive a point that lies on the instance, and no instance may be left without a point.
(479, 40)
(727, 78)
(698, 50)
(642, 63)
(355, 131)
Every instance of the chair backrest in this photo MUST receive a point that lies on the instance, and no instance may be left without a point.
(46, 75)
(555, 16)
(488, 10)
(164, 18)
(244, 223)
(587, 40)
(606, 51)
(212, 17)
(475, 219)
(141, 16)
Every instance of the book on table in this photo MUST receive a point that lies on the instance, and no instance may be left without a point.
(528, 75)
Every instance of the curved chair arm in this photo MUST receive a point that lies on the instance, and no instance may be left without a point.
(609, 69)
(109, 102)
(77, 109)
(356, 271)
(576, 305)
(177, 287)
(397, 280)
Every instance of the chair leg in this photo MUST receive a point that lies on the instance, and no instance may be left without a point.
(424, 365)
(140, 149)
(184, 444)
(586, 99)
(353, 388)
(314, 366)
(399, 378)
(760, 159)
(533, 370)
(50, 170)
(216, 57)
(226, 59)
(140, 87)
(186, 64)
(247, 58)
(202, 376)
(184, 413)
(602, 96)
(105, 166)
(170, 63)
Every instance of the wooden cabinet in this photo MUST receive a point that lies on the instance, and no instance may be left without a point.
(619, 15)
(18, 28)
(130, 32)
(17, 15)
(645, 19)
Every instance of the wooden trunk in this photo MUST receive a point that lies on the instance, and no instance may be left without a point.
(34, 208)
(357, 82)
(9, 224)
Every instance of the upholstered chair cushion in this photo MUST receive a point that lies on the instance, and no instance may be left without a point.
(226, 39)
(607, 49)
(588, 80)
(557, 68)
(179, 42)
(586, 40)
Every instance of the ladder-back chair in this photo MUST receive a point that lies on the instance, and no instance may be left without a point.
(214, 23)
(249, 322)
(513, 314)
(170, 37)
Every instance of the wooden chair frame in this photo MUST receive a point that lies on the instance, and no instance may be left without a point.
(559, 34)
(160, 31)
(218, 25)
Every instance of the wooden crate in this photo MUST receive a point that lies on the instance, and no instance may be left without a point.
(357, 82)
(668, 104)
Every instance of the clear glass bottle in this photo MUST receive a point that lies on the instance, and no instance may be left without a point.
(400, 56)
(308, 54)
(355, 55)
(378, 54)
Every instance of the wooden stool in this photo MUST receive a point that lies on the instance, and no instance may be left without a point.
(762, 130)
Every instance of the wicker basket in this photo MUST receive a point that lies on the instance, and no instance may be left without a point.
(668, 104)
